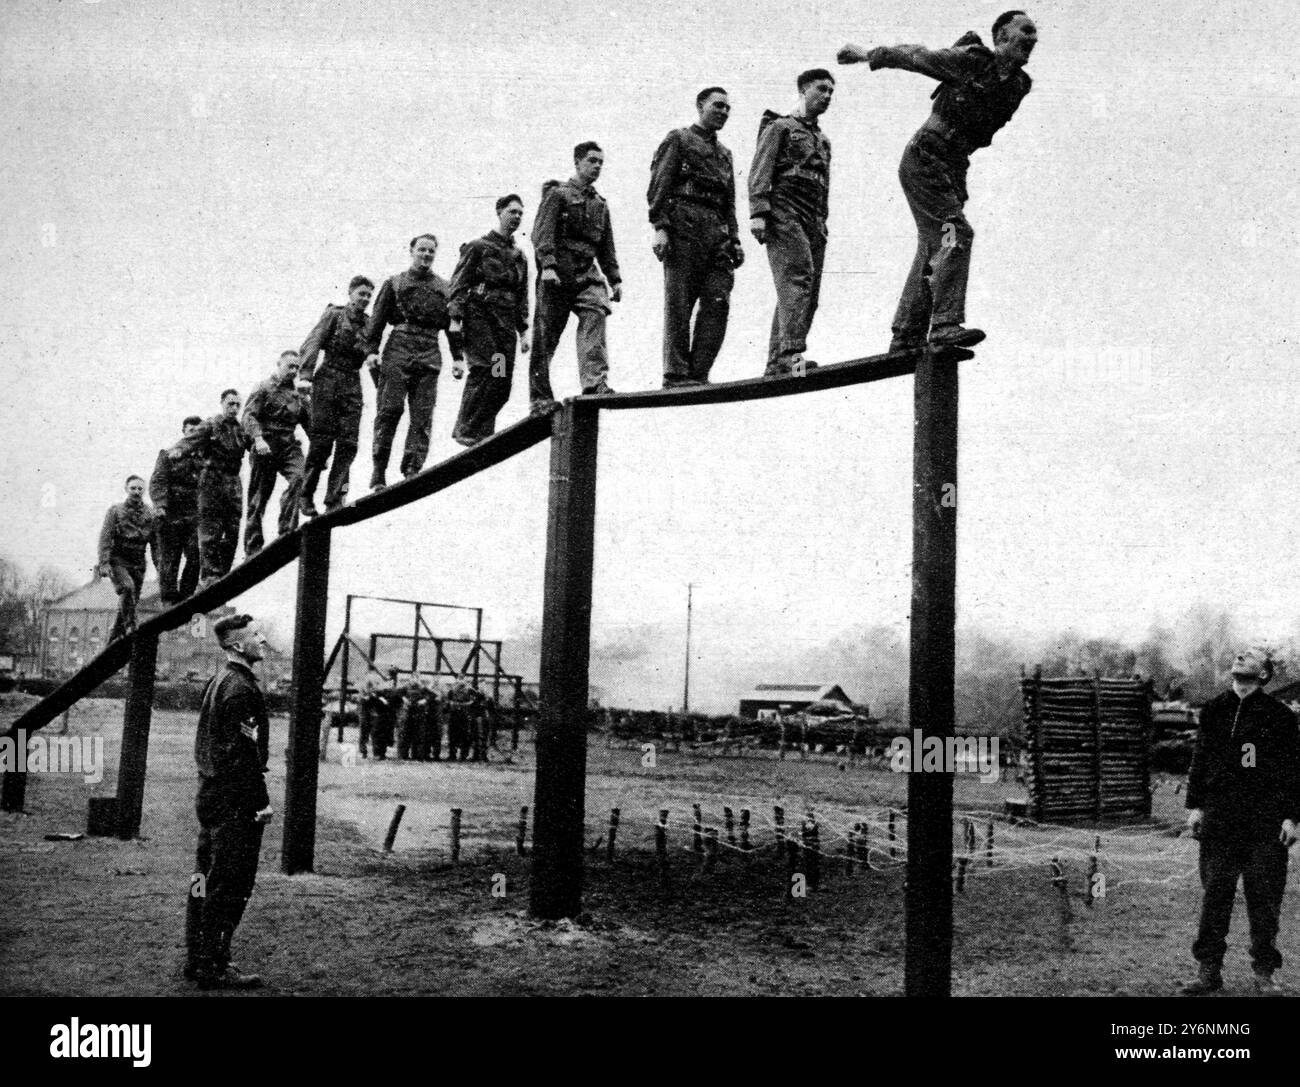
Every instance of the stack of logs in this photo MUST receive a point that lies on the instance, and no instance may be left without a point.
(1089, 743)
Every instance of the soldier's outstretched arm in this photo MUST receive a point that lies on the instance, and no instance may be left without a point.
(940, 64)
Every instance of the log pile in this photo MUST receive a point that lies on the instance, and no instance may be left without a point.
(1089, 742)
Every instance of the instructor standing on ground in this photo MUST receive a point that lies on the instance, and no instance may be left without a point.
(1243, 801)
(233, 807)
(979, 91)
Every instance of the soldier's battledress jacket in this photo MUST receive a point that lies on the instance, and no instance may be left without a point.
(573, 230)
(492, 274)
(416, 306)
(232, 741)
(692, 169)
(341, 334)
(972, 100)
(126, 533)
(221, 443)
(791, 170)
(273, 410)
(174, 485)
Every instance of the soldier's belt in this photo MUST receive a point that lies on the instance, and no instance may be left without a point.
(411, 326)
(713, 203)
(814, 176)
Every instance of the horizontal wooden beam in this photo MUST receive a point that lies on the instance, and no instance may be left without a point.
(833, 376)
(500, 447)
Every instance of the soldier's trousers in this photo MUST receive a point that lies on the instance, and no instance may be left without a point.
(433, 735)
(934, 182)
(177, 540)
(697, 270)
(127, 580)
(221, 504)
(1260, 863)
(365, 727)
(225, 869)
(284, 459)
(796, 251)
(408, 732)
(335, 424)
(399, 387)
(589, 299)
(381, 735)
(490, 340)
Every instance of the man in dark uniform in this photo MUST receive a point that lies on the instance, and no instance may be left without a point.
(335, 395)
(415, 303)
(274, 412)
(1243, 800)
(221, 442)
(174, 491)
(128, 530)
(979, 91)
(458, 724)
(410, 726)
(692, 199)
(387, 701)
(233, 807)
(489, 307)
(789, 192)
(573, 241)
(433, 725)
(368, 706)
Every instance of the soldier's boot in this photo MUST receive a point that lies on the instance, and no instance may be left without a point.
(1209, 979)
(227, 978)
(795, 366)
(1266, 986)
(602, 389)
(944, 336)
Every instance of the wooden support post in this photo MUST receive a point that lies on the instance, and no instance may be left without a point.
(298, 845)
(391, 836)
(729, 821)
(560, 779)
(134, 758)
(661, 843)
(928, 894)
(697, 840)
(744, 833)
(613, 833)
(345, 664)
(521, 832)
(988, 845)
(454, 832)
(518, 711)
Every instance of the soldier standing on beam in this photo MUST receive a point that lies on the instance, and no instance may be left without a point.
(489, 306)
(128, 530)
(979, 91)
(789, 192)
(274, 412)
(336, 401)
(415, 303)
(221, 441)
(174, 491)
(573, 241)
(692, 198)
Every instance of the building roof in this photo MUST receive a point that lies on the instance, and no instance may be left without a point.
(796, 692)
(99, 595)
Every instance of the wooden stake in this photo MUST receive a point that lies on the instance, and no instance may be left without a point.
(613, 833)
(391, 836)
(697, 839)
(661, 843)
(521, 831)
(455, 835)
(744, 833)
(988, 844)
(729, 821)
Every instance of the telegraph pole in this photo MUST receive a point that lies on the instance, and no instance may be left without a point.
(686, 689)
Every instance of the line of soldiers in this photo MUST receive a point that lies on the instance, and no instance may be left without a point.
(483, 310)
(413, 718)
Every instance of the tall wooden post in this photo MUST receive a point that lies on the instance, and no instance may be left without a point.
(134, 758)
(928, 898)
(556, 885)
(298, 846)
(347, 662)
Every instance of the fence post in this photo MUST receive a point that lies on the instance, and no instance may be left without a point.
(134, 758)
(729, 821)
(391, 836)
(613, 833)
(555, 889)
(298, 846)
(455, 835)
(697, 840)
(744, 833)
(521, 831)
(661, 843)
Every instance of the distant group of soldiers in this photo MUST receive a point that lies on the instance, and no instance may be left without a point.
(414, 718)
(483, 311)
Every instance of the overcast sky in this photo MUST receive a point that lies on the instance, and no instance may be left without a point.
(187, 185)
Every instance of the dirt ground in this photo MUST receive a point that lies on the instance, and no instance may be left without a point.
(103, 917)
